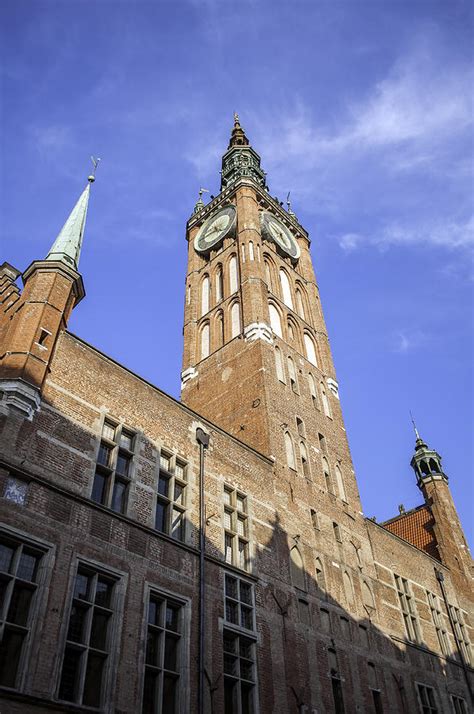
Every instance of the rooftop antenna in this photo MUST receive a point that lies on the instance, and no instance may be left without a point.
(95, 162)
(414, 426)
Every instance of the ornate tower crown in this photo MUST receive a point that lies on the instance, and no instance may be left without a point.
(240, 160)
(425, 462)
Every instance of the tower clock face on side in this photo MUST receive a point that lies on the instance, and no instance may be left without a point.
(275, 230)
(215, 229)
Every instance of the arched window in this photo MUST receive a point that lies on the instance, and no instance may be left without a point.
(285, 289)
(304, 460)
(300, 427)
(340, 483)
(324, 399)
(258, 252)
(205, 341)
(275, 320)
(291, 332)
(251, 251)
(348, 588)
(327, 475)
(425, 469)
(310, 349)
(290, 454)
(188, 298)
(235, 319)
(292, 374)
(233, 274)
(434, 466)
(219, 284)
(297, 569)
(242, 251)
(268, 275)
(299, 303)
(312, 390)
(279, 365)
(319, 573)
(205, 295)
(367, 597)
(220, 328)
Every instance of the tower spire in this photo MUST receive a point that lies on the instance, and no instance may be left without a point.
(240, 160)
(237, 137)
(418, 437)
(67, 246)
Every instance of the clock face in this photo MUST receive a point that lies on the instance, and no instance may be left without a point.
(275, 230)
(215, 229)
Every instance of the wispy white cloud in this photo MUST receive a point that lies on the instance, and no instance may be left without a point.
(405, 340)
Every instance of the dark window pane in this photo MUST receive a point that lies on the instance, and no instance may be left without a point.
(172, 617)
(99, 488)
(10, 653)
(100, 622)
(163, 485)
(6, 557)
(149, 693)
(76, 624)
(118, 496)
(20, 604)
(153, 647)
(337, 695)
(82, 586)
(230, 642)
(103, 592)
(246, 593)
(161, 517)
(171, 652)
(154, 612)
(104, 455)
(3, 588)
(247, 698)
(246, 669)
(178, 493)
(27, 566)
(230, 697)
(230, 664)
(231, 586)
(70, 675)
(177, 530)
(246, 617)
(245, 648)
(123, 463)
(93, 681)
(231, 612)
(169, 694)
(126, 440)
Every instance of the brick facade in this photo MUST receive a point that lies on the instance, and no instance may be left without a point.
(303, 596)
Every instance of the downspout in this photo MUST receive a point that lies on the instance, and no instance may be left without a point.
(440, 579)
(203, 440)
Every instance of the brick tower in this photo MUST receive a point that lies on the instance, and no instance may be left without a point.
(30, 321)
(257, 359)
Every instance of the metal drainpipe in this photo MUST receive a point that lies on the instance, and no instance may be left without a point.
(440, 579)
(203, 440)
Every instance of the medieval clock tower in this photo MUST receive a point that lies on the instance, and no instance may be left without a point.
(257, 360)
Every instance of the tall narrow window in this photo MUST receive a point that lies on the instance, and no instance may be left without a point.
(251, 251)
(336, 682)
(324, 399)
(114, 467)
(279, 365)
(219, 284)
(220, 328)
(233, 274)
(239, 602)
(240, 672)
(297, 569)
(461, 632)
(292, 375)
(426, 698)
(164, 655)
(19, 570)
(205, 295)
(268, 275)
(89, 638)
(340, 483)
(290, 454)
(327, 475)
(407, 606)
(236, 528)
(242, 252)
(319, 573)
(235, 319)
(304, 461)
(299, 303)
(285, 289)
(337, 532)
(300, 427)
(459, 704)
(310, 349)
(275, 320)
(171, 497)
(312, 390)
(439, 623)
(348, 587)
(258, 252)
(205, 340)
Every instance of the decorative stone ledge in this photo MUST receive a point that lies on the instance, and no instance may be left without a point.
(19, 397)
(187, 375)
(258, 331)
(333, 386)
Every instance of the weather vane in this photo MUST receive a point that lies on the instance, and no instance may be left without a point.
(95, 162)
(414, 426)
(203, 190)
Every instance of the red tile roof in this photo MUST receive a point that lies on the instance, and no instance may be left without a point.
(416, 527)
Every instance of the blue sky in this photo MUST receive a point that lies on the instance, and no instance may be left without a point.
(361, 109)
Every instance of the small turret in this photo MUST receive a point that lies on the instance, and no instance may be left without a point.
(425, 462)
(240, 160)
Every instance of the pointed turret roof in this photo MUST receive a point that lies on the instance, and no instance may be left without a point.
(67, 246)
(237, 137)
(240, 160)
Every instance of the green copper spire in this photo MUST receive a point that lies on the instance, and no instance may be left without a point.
(240, 160)
(67, 246)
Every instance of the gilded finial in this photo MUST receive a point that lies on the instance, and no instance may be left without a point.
(95, 163)
(236, 119)
(414, 426)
